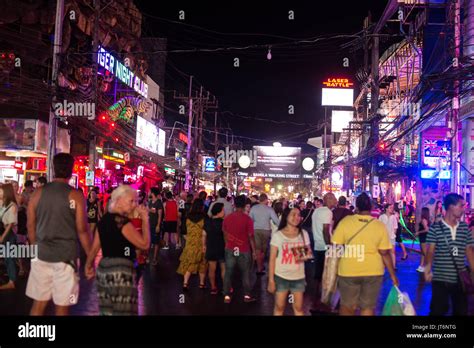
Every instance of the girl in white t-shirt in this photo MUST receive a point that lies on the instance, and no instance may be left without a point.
(290, 247)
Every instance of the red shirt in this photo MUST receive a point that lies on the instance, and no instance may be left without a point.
(238, 228)
(171, 211)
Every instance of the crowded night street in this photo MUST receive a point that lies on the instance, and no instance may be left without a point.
(244, 160)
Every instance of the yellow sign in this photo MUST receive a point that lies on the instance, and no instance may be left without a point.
(110, 158)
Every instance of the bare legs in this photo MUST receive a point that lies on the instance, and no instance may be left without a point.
(212, 273)
(280, 303)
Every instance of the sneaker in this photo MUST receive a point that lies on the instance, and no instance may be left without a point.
(166, 247)
(227, 299)
(248, 299)
(420, 269)
(214, 291)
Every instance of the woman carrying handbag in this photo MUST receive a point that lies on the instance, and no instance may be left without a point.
(290, 248)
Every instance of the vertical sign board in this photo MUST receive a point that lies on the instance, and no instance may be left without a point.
(467, 151)
(90, 178)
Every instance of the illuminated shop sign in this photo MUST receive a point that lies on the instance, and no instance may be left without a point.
(115, 156)
(170, 171)
(337, 92)
(183, 138)
(150, 137)
(434, 174)
(436, 153)
(209, 164)
(121, 72)
(338, 83)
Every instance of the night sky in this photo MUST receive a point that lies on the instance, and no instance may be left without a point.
(259, 87)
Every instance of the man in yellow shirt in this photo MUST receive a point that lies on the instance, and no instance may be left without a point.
(365, 255)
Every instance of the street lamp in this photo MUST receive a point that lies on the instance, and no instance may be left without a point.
(308, 164)
(244, 161)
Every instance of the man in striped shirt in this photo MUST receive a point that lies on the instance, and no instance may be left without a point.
(449, 241)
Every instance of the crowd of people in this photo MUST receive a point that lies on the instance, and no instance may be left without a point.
(123, 231)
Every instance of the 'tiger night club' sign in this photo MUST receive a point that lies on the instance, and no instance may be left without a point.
(121, 71)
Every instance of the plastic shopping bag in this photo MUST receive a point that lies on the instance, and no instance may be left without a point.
(329, 281)
(398, 304)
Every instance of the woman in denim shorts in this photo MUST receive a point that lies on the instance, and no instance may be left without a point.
(290, 247)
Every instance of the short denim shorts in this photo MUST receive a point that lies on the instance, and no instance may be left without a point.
(289, 285)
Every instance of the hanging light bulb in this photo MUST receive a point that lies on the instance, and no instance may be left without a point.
(269, 54)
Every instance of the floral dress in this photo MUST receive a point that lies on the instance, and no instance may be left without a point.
(193, 259)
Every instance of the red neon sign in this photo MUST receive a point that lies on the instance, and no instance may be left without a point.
(338, 83)
(183, 138)
(18, 165)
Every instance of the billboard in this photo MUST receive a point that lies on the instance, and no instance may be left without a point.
(340, 119)
(337, 97)
(150, 137)
(30, 135)
(436, 153)
(278, 162)
(17, 134)
(338, 92)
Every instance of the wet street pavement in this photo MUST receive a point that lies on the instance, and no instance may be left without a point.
(160, 291)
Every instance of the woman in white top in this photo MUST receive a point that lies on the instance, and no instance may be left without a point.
(390, 220)
(290, 247)
(9, 218)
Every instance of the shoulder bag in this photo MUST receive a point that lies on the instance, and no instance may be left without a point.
(2, 225)
(464, 275)
(331, 265)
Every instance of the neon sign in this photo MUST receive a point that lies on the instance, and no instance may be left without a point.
(121, 71)
(183, 138)
(338, 83)
(110, 158)
(434, 174)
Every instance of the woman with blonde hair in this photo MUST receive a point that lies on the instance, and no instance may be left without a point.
(116, 286)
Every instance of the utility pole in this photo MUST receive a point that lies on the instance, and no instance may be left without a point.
(215, 147)
(197, 105)
(187, 185)
(374, 100)
(455, 106)
(52, 129)
(95, 68)
(367, 23)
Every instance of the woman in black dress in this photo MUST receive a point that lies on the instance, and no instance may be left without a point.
(118, 238)
(93, 211)
(423, 229)
(215, 244)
